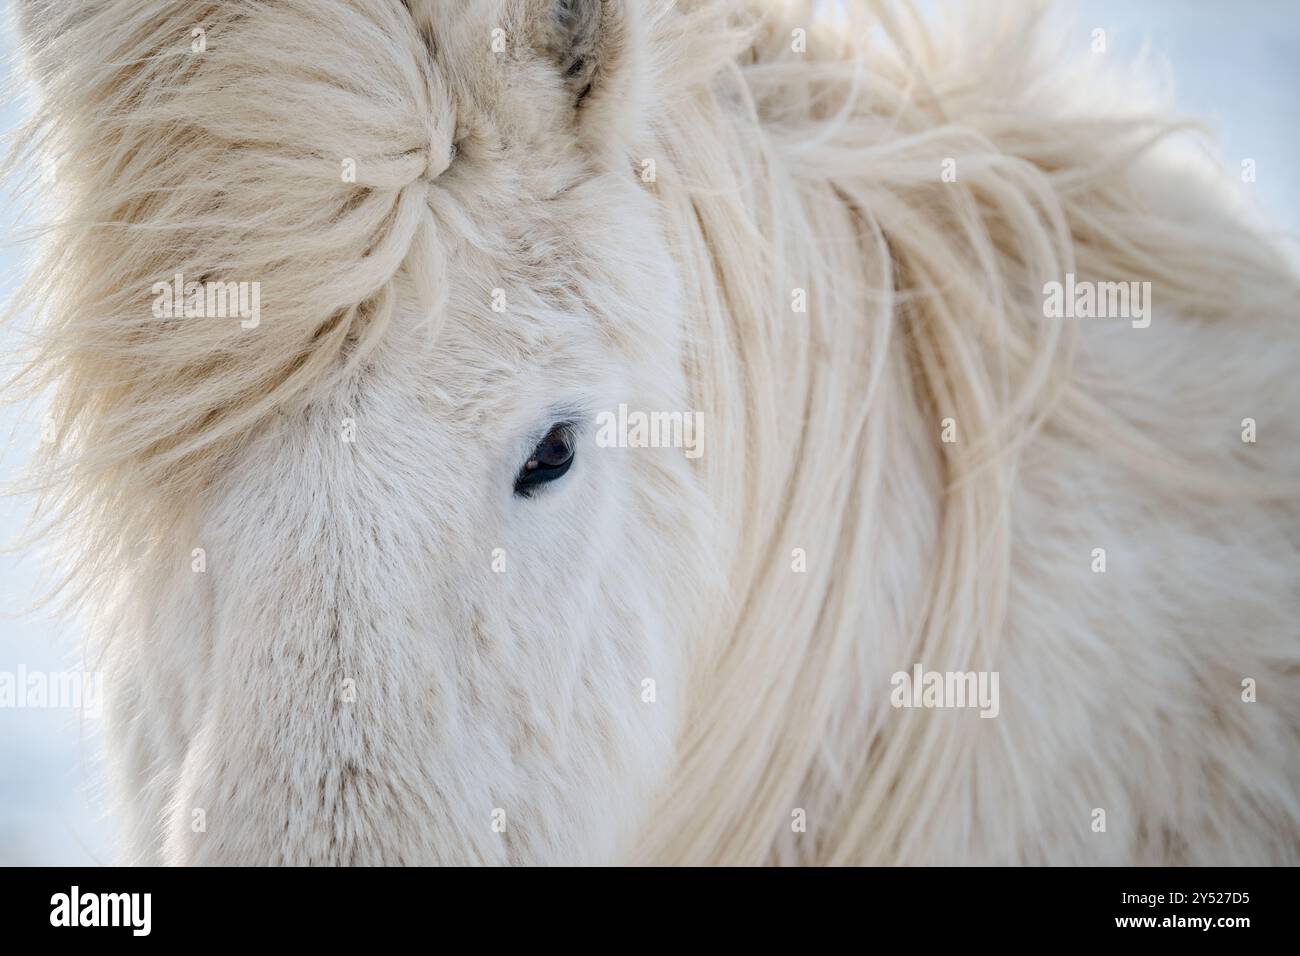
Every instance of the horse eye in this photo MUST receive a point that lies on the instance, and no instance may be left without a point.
(548, 461)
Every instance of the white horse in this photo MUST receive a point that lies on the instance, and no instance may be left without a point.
(343, 292)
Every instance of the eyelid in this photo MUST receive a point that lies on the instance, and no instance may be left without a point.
(573, 415)
(527, 480)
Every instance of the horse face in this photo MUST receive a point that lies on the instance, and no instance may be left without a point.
(505, 597)
(430, 617)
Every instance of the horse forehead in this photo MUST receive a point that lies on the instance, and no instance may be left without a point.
(493, 372)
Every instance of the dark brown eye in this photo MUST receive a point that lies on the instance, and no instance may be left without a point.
(548, 461)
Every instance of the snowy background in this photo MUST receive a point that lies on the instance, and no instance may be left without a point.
(1236, 63)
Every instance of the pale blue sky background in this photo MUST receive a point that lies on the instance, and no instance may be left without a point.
(1236, 62)
(51, 799)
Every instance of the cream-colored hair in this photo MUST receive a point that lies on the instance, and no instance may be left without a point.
(915, 186)
(823, 171)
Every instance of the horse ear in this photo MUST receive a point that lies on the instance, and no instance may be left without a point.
(596, 47)
(578, 37)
